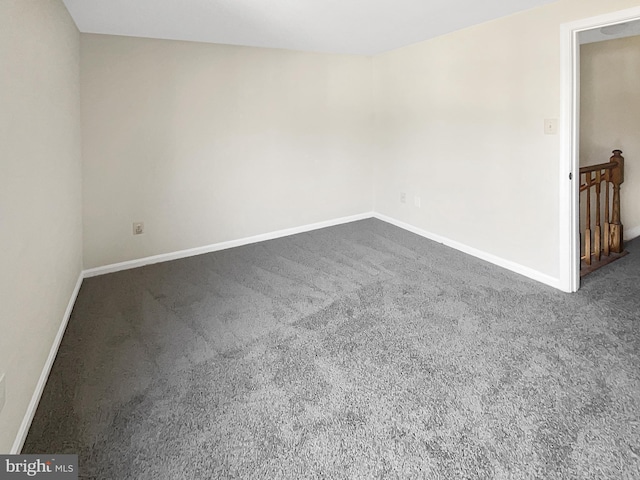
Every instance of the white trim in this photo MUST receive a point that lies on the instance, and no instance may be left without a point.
(44, 376)
(569, 165)
(631, 233)
(165, 257)
(499, 261)
(569, 254)
(611, 18)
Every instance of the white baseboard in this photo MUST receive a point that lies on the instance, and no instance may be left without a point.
(140, 262)
(501, 262)
(631, 233)
(44, 376)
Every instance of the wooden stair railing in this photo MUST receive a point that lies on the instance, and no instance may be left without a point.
(605, 238)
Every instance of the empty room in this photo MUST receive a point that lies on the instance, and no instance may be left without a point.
(357, 239)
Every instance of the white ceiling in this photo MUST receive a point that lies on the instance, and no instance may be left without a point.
(337, 26)
(611, 32)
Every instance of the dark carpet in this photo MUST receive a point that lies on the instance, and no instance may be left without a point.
(356, 351)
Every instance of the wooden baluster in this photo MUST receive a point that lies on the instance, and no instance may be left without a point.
(587, 225)
(607, 229)
(617, 177)
(597, 232)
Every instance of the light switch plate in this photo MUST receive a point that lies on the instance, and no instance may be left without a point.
(2, 395)
(551, 126)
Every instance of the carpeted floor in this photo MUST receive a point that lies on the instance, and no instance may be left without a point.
(356, 351)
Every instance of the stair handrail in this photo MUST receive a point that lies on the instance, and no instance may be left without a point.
(612, 173)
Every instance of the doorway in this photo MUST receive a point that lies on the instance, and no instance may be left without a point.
(570, 136)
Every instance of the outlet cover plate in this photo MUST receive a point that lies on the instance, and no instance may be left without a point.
(138, 228)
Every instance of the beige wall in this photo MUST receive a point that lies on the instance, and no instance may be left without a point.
(460, 121)
(208, 143)
(610, 115)
(40, 192)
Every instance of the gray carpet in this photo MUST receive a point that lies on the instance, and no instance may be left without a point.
(356, 351)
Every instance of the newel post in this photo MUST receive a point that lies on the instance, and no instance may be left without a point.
(616, 178)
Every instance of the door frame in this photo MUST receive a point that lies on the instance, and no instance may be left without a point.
(570, 140)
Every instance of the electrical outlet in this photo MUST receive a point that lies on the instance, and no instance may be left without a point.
(138, 228)
(403, 197)
(2, 390)
(417, 201)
